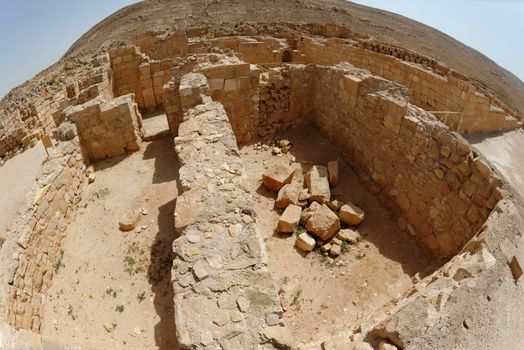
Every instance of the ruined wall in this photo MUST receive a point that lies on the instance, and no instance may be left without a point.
(220, 266)
(284, 99)
(254, 50)
(235, 86)
(427, 89)
(31, 255)
(108, 128)
(163, 45)
(442, 192)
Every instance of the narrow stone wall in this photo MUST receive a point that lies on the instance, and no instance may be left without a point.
(30, 256)
(108, 128)
(254, 50)
(220, 268)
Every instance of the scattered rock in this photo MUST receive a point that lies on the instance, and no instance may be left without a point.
(277, 176)
(386, 346)
(348, 235)
(351, 214)
(283, 143)
(129, 220)
(288, 194)
(305, 242)
(318, 184)
(334, 173)
(326, 247)
(275, 150)
(323, 223)
(289, 219)
(335, 250)
(109, 327)
(91, 178)
(306, 214)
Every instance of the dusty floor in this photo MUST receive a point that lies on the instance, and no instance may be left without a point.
(114, 278)
(324, 296)
(17, 177)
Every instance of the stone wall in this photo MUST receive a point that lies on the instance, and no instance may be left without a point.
(220, 268)
(441, 191)
(235, 86)
(254, 50)
(163, 44)
(108, 128)
(31, 255)
(427, 89)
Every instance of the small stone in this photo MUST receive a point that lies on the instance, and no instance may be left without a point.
(243, 304)
(348, 235)
(206, 338)
(336, 241)
(284, 143)
(326, 247)
(335, 250)
(236, 316)
(109, 327)
(200, 270)
(351, 214)
(129, 220)
(91, 178)
(235, 230)
(386, 346)
(335, 205)
(289, 219)
(334, 173)
(275, 150)
(192, 238)
(272, 319)
(305, 242)
(144, 211)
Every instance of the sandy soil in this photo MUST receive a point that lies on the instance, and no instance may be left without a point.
(17, 176)
(329, 296)
(504, 150)
(114, 278)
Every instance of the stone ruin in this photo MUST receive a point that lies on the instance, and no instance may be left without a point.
(395, 116)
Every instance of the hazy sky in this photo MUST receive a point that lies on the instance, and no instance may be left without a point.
(36, 33)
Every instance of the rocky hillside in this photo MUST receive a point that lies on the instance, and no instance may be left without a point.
(382, 25)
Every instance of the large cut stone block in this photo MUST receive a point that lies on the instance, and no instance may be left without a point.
(277, 176)
(289, 219)
(323, 223)
(351, 214)
(317, 182)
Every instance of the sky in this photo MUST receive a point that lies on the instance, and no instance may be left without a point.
(36, 33)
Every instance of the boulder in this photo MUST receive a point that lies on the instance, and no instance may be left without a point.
(129, 220)
(306, 214)
(305, 242)
(289, 219)
(348, 235)
(323, 223)
(317, 183)
(351, 214)
(288, 194)
(277, 176)
(334, 173)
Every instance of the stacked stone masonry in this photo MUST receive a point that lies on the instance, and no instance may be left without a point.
(220, 269)
(30, 256)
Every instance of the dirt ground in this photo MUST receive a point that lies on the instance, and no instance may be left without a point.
(17, 177)
(113, 289)
(324, 296)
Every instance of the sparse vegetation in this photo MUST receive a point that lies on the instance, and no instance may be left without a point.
(344, 247)
(111, 291)
(71, 313)
(120, 308)
(141, 296)
(299, 229)
(296, 298)
(59, 262)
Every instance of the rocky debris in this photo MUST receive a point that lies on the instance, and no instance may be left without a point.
(277, 176)
(335, 205)
(351, 214)
(317, 183)
(333, 172)
(335, 250)
(305, 242)
(129, 220)
(289, 219)
(90, 174)
(308, 212)
(289, 194)
(323, 223)
(348, 235)
(109, 327)
(386, 346)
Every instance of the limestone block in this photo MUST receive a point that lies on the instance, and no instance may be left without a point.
(348, 235)
(277, 176)
(323, 223)
(333, 172)
(305, 242)
(317, 182)
(289, 219)
(288, 194)
(129, 220)
(351, 214)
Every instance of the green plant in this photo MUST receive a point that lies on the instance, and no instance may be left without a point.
(141, 296)
(344, 247)
(360, 256)
(120, 308)
(296, 298)
(59, 262)
(111, 291)
(70, 312)
(299, 229)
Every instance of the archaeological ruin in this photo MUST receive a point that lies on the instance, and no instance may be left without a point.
(258, 185)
